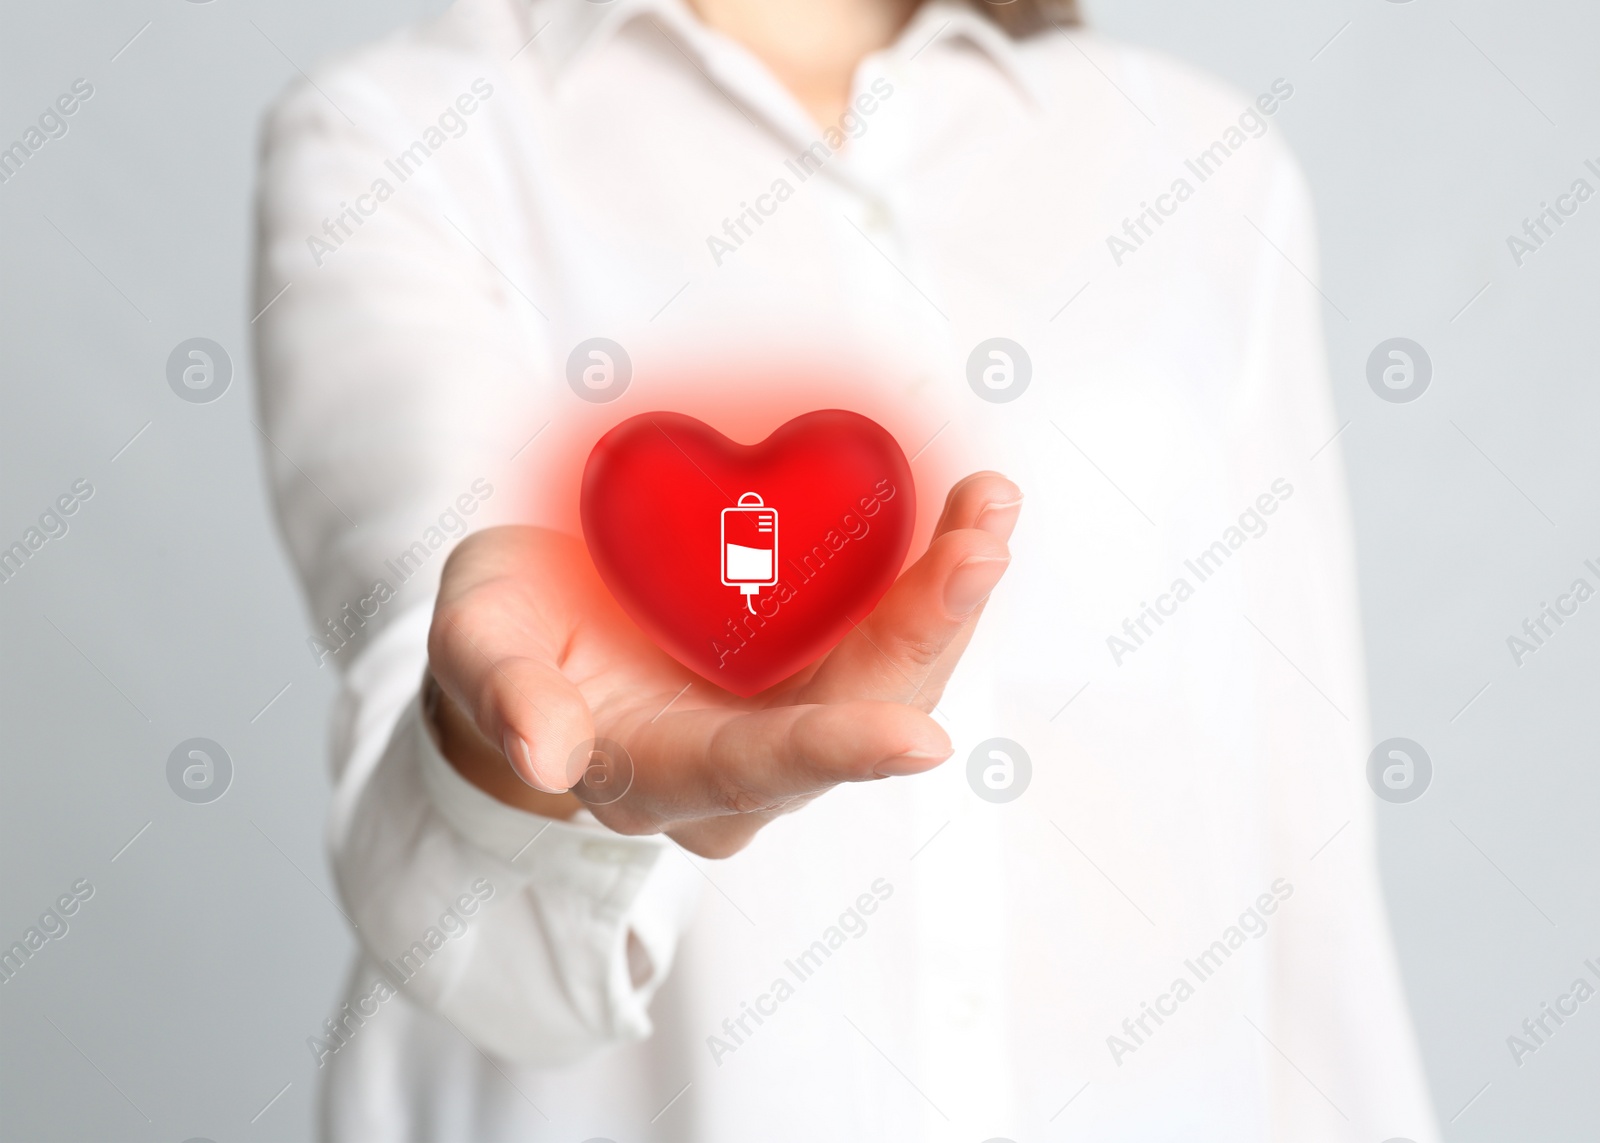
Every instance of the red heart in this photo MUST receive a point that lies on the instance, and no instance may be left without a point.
(673, 511)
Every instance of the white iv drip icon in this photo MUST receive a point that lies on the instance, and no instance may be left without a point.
(750, 547)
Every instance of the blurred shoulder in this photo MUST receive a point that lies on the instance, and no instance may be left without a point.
(1157, 111)
(407, 76)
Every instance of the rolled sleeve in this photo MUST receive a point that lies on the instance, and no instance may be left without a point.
(395, 368)
(543, 973)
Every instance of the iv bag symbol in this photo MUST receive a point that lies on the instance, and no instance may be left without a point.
(749, 546)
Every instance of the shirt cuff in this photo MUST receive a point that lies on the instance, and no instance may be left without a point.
(598, 886)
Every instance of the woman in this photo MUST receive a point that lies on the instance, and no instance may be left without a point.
(1116, 911)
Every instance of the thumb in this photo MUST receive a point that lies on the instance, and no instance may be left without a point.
(532, 713)
(493, 651)
(905, 650)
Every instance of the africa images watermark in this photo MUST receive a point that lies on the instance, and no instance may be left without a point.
(395, 973)
(52, 526)
(341, 631)
(1538, 630)
(52, 124)
(747, 624)
(807, 163)
(1536, 231)
(1537, 1030)
(1252, 922)
(52, 926)
(852, 922)
(1252, 124)
(451, 124)
(1251, 525)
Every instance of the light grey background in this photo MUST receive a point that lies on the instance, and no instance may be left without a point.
(180, 1002)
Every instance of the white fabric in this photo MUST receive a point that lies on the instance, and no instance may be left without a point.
(988, 952)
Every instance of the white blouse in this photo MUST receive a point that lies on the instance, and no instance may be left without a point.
(1153, 912)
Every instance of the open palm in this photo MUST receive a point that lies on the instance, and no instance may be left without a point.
(536, 662)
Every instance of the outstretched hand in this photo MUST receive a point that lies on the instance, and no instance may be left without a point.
(534, 660)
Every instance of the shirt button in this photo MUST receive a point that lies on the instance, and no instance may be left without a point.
(965, 1008)
(877, 217)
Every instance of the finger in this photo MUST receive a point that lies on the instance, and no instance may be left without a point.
(538, 718)
(906, 649)
(714, 762)
(984, 500)
(899, 652)
(494, 650)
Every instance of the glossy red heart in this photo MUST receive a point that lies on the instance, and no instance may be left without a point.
(747, 562)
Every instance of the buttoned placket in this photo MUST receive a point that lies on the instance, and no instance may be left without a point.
(961, 1050)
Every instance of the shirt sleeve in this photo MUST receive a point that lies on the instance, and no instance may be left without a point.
(392, 360)
(1342, 1049)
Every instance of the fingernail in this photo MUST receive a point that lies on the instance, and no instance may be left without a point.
(521, 759)
(911, 762)
(972, 581)
(999, 518)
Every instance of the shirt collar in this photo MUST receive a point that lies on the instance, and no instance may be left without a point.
(564, 30)
(937, 21)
